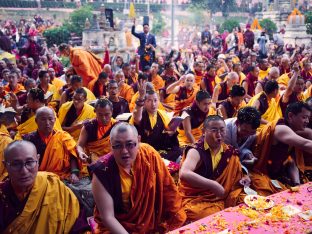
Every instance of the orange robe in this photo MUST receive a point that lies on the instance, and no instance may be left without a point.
(181, 103)
(5, 139)
(158, 82)
(51, 207)
(260, 181)
(19, 88)
(57, 154)
(155, 204)
(126, 91)
(86, 64)
(199, 202)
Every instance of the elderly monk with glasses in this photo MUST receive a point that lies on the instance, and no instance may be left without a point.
(32, 201)
(132, 188)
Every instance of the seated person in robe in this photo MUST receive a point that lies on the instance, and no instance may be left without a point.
(185, 90)
(167, 99)
(294, 90)
(152, 124)
(120, 105)
(228, 108)
(98, 86)
(211, 173)
(35, 202)
(278, 149)
(7, 119)
(273, 75)
(191, 128)
(125, 90)
(250, 82)
(208, 81)
(14, 87)
(35, 100)
(133, 190)
(222, 90)
(265, 102)
(46, 87)
(156, 79)
(241, 133)
(75, 83)
(56, 148)
(72, 114)
(94, 139)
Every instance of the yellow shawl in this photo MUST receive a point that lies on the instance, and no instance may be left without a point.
(86, 113)
(5, 139)
(30, 126)
(51, 208)
(90, 95)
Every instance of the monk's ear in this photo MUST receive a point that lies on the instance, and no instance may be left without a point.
(38, 156)
(139, 138)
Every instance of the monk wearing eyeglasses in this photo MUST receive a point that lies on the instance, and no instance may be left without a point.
(132, 188)
(32, 201)
(211, 173)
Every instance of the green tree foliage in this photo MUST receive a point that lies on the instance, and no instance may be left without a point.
(308, 22)
(158, 24)
(269, 26)
(56, 35)
(229, 25)
(216, 5)
(75, 25)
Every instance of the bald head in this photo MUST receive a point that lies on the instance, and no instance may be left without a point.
(274, 73)
(232, 79)
(45, 120)
(44, 110)
(17, 148)
(122, 128)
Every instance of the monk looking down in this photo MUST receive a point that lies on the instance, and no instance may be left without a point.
(86, 64)
(210, 173)
(57, 149)
(94, 139)
(132, 188)
(32, 201)
(72, 114)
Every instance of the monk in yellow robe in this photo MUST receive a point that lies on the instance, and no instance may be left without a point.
(198, 72)
(50, 91)
(6, 120)
(237, 67)
(185, 90)
(57, 82)
(125, 91)
(72, 114)
(75, 83)
(56, 148)
(35, 100)
(94, 139)
(211, 173)
(264, 68)
(273, 75)
(191, 129)
(133, 191)
(32, 201)
(278, 149)
(265, 102)
(86, 64)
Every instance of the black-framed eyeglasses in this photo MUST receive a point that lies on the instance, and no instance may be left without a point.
(217, 130)
(128, 146)
(17, 166)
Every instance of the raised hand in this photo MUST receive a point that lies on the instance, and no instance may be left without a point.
(142, 88)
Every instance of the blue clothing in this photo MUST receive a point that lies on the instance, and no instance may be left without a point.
(145, 39)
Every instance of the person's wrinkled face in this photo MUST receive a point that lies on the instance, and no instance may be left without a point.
(45, 122)
(13, 79)
(104, 114)
(299, 87)
(215, 132)
(113, 90)
(120, 78)
(245, 130)
(300, 121)
(274, 75)
(189, 82)
(125, 146)
(236, 101)
(22, 166)
(204, 105)
(78, 100)
(31, 62)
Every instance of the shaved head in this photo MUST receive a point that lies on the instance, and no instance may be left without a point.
(121, 128)
(18, 147)
(44, 110)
